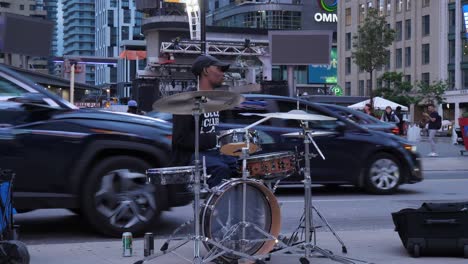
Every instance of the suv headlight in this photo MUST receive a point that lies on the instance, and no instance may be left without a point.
(410, 147)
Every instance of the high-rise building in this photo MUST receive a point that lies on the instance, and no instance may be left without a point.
(50, 6)
(425, 48)
(79, 31)
(118, 28)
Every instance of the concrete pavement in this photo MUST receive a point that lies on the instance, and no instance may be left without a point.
(380, 246)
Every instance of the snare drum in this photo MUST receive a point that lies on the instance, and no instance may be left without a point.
(272, 166)
(171, 175)
(232, 141)
(223, 211)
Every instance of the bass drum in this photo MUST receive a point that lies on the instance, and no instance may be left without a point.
(223, 211)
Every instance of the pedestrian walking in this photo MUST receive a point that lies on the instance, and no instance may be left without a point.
(389, 116)
(401, 124)
(435, 123)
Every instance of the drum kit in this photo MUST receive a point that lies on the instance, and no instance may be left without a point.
(240, 220)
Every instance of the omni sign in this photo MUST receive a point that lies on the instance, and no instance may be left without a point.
(329, 6)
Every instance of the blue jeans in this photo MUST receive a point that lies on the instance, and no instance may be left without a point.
(218, 165)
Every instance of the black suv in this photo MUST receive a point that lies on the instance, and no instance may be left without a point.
(375, 160)
(90, 161)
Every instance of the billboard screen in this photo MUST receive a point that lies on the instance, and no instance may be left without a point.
(303, 47)
(25, 35)
(324, 73)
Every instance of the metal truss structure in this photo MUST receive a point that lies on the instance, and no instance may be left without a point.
(215, 48)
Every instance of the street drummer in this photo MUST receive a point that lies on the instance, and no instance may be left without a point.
(210, 72)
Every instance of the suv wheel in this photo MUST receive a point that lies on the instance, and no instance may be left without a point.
(116, 198)
(383, 174)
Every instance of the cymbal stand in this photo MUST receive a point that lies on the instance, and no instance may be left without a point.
(197, 238)
(305, 248)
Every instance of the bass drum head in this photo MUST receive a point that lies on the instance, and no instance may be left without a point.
(224, 210)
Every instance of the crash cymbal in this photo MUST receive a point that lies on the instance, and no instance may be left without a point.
(295, 115)
(210, 101)
(313, 134)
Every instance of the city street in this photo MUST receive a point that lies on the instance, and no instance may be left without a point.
(347, 210)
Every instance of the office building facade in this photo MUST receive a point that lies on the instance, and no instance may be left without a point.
(118, 27)
(425, 49)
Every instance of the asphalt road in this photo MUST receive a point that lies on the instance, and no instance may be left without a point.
(345, 209)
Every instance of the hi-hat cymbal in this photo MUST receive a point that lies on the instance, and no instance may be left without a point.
(295, 115)
(313, 134)
(186, 103)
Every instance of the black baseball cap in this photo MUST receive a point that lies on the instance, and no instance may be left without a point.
(205, 61)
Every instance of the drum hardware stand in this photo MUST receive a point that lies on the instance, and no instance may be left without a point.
(241, 226)
(308, 246)
(197, 238)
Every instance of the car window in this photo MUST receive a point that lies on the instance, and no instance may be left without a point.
(286, 106)
(234, 116)
(10, 89)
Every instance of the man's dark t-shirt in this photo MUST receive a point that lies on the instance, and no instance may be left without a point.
(183, 137)
(437, 123)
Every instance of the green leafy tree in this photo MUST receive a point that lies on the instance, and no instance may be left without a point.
(427, 93)
(370, 44)
(395, 89)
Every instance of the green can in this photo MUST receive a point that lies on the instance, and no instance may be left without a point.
(127, 240)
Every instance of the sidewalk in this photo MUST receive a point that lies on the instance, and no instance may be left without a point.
(380, 246)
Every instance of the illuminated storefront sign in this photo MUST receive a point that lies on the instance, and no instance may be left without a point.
(325, 73)
(329, 6)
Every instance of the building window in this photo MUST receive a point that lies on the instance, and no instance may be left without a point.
(369, 4)
(408, 78)
(451, 80)
(387, 65)
(426, 78)
(389, 7)
(347, 65)
(426, 25)
(216, 4)
(451, 51)
(348, 88)
(124, 33)
(348, 17)
(399, 6)
(348, 41)
(398, 31)
(381, 7)
(32, 7)
(465, 78)
(426, 3)
(361, 87)
(408, 29)
(21, 7)
(127, 16)
(426, 59)
(408, 5)
(362, 13)
(398, 58)
(407, 56)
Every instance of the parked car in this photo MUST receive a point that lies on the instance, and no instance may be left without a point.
(87, 160)
(363, 119)
(356, 155)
